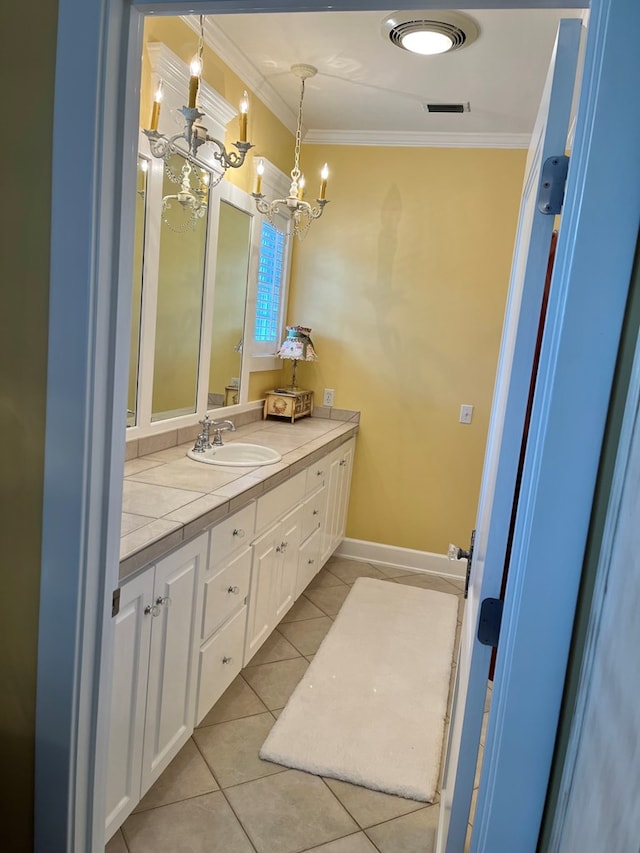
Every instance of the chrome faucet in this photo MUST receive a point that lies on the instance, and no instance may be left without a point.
(218, 428)
(203, 440)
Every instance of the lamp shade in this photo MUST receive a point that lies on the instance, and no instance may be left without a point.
(298, 345)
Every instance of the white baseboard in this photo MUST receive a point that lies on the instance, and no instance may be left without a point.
(405, 558)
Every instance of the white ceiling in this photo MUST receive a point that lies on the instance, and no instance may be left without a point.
(371, 92)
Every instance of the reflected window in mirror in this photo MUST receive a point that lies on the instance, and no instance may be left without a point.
(180, 290)
(227, 338)
(136, 300)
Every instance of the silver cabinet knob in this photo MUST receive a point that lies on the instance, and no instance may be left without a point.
(319, 473)
(316, 511)
(225, 659)
(163, 599)
(239, 532)
(152, 610)
(343, 462)
(234, 590)
(311, 561)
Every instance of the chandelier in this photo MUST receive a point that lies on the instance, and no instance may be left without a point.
(301, 212)
(188, 143)
(192, 199)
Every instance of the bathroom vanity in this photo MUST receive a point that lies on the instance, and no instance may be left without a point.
(196, 603)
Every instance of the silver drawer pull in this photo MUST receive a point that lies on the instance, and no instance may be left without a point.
(152, 610)
(163, 599)
(234, 590)
(239, 532)
(225, 659)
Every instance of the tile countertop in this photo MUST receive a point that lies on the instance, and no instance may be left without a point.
(169, 498)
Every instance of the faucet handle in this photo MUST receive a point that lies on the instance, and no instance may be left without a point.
(206, 422)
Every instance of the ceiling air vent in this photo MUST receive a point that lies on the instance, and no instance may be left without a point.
(430, 32)
(447, 108)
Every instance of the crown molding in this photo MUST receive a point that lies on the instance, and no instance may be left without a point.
(221, 45)
(409, 139)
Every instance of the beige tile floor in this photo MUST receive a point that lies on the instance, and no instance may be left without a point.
(218, 796)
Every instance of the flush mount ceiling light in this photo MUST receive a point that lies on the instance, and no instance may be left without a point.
(429, 33)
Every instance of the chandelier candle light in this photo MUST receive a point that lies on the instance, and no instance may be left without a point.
(302, 213)
(195, 134)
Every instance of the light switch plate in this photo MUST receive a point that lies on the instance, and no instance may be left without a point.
(466, 414)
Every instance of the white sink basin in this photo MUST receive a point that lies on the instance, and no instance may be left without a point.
(237, 453)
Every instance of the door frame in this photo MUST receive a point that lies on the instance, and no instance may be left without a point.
(94, 152)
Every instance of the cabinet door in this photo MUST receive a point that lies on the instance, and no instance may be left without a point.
(339, 464)
(260, 620)
(329, 538)
(308, 561)
(173, 658)
(132, 633)
(344, 487)
(287, 565)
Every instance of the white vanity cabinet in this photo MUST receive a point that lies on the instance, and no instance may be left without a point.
(225, 589)
(339, 466)
(313, 520)
(153, 693)
(275, 560)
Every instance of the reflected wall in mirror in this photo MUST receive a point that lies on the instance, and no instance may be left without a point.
(232, 265)
(136, 301)
(181, 271)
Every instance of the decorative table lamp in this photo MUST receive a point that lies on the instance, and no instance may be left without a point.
(292, 402)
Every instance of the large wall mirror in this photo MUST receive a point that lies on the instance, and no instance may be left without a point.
(200, 281)
(136, 290)
(233, 254)
(180, 293)
(190, 320)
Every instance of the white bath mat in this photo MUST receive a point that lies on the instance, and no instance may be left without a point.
(371, 707)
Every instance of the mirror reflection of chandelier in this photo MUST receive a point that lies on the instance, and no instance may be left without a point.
(301, 212)
(181, 212)
(189, 141)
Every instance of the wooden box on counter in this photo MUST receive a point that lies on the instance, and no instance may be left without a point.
(284, 403)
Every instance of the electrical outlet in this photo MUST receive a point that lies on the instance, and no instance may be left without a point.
(327, 397)
(466, 414)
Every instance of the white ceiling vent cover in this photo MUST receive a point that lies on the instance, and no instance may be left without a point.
(444, 31)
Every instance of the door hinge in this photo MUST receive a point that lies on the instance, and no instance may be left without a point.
(115, 602)
(552, 183)
(490, 621)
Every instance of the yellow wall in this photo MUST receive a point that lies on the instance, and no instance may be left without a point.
(403, 282)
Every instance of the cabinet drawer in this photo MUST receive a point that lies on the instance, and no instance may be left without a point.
(234, 532)
(220, 662)
(225, 591)
(276, 502)
(312, 513)
(316, 475)
(308, 561)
